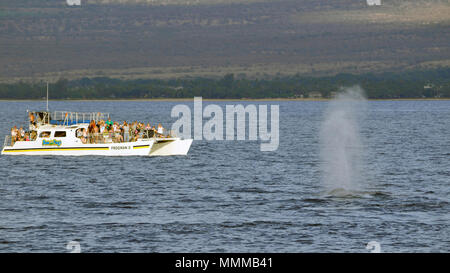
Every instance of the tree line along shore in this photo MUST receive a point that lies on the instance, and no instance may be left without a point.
(434, 83)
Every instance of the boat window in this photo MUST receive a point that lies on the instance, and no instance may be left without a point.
(79, 132)
(44, 134)
(60, 134)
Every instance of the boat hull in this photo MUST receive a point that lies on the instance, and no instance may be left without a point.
(141, 148)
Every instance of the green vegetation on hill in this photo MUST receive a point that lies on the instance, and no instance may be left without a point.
(412, 84)
(42, 37)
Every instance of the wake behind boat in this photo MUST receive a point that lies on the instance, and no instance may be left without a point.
(76, 134)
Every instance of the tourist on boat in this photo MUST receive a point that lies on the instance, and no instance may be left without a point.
(126, 132)
(115, 126)
(13, 135)
(33, 135)
(105, 135)
(132, 131)
(21, 135)
(148, 131)
(102, 127)
(32, 119)
(160, 129)
(119, 135)
(135, 129)
(116, 132)
(91, 125)
(96, 135)
(84, 136)
(141, 130)
(90, 130)
(109, 123)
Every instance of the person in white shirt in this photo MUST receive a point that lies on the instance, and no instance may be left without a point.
(13, 135)
(160, 129)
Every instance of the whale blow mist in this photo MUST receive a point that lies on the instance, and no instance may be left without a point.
(340, 141)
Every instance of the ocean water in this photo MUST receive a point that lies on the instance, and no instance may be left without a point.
(228, 196)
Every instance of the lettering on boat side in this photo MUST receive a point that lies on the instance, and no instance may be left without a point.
(120, 148)
(52, 142)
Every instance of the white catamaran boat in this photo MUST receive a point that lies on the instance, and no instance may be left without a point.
(65, 133)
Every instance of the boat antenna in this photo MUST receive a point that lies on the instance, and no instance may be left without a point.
(47, 96)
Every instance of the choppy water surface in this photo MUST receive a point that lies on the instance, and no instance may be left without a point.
(228, 196)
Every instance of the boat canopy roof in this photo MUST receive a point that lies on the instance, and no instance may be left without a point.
(67, 118)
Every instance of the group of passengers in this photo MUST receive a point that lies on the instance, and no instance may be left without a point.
(98, 132)
(104, 131)
(21, 135)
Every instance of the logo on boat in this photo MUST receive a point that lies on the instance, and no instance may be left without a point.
(51, 142)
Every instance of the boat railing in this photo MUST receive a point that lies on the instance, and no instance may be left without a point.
(104, 138)
(7, 142)
(165, 133)
(70, 118)
(172, 133)
(67, 118)
(99, 138)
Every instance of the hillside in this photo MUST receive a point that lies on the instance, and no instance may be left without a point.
(164, 39)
